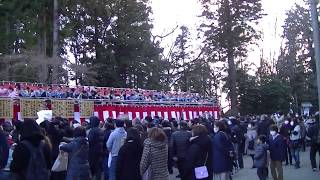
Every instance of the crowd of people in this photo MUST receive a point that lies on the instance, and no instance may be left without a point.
(120, 149)
(29, 90)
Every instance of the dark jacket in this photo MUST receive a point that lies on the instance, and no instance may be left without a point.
(78, 164)
(95, 137)
(261, 156)
(128, 162)
(221, 153)
(30, 132)
(277, 148)
(285, 130)
(313, 132)
(263, 127)
(237, 136)
(180, 143)
(4, 150)
(55, 135)
(199, 154)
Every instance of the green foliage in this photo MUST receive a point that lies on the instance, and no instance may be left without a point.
(228, 30)
(261, 96)
(105, 42)
(296, 63)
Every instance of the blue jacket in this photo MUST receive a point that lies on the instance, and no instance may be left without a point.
(78, 164)
(261, 156)
(277, 148)
(116, 140)
(221, 155)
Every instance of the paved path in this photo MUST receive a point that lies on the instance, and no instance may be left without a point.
(290, 173)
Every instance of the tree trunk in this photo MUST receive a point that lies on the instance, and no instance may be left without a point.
(232, 83)
(55, 43)
(41, 51)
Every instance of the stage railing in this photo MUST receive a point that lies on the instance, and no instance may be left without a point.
(106, 101)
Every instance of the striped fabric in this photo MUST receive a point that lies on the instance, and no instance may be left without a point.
(155, 156)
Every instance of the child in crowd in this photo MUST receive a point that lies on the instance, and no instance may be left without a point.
(261, 157)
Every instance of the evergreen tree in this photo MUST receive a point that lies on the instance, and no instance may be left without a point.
(228, 32)
(296, 63)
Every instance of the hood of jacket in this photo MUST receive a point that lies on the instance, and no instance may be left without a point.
(81, 140)
(203, 141)
(94, 121)
(31, 130)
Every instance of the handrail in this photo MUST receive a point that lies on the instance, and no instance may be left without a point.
(123, 102)
(114, 88)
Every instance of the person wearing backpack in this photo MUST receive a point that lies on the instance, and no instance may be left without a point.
(261, 157)
(78, 152)
(31, 156)
(251, 138)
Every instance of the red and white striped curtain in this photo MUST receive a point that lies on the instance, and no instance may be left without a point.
(141, 111)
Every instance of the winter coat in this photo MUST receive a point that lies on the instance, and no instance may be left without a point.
(4, 150)
(277, 148)
(261, 156)
(180, 143)
(303, 130)
(313, 132)
(285, 130)
(30, 132)
(295, 134)
(128, 161)
(95, 137)
(263, 127)
(78, 164)
(251, 135)
(155, 157)
(237, 134)
(221, 153)
(199, 154)
(116, 140)
(55, 136)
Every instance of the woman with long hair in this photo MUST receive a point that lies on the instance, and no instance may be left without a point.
(154, 161)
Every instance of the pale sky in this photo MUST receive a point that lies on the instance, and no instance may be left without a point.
(169, 13)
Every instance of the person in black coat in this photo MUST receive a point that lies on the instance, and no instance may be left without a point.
(4, 150)
(129, 157)
(238, 139)
(263, 126)
(199, 153)
(285, 132)
(166, 126)
(314, 133)
(180, 144)
(30, 132)
(95, 137)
